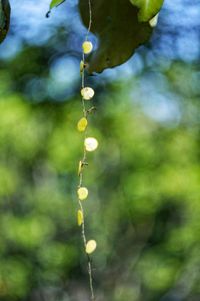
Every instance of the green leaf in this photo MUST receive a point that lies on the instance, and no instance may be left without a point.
(147, 8)
(55, 3)
(116, 25)
(4, 18)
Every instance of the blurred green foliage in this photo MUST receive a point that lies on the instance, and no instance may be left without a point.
(143, 208)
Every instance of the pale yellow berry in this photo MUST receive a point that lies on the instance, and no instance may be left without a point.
(82, 124)
(87, 47)
(87, 93)
(82, 193)
(91, 144)
(90, 246)
(79, 217)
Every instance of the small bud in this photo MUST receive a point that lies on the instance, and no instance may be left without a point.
(82, 66)
(87, 93)
(90, 246)
(91, 110)
(80, 167)
(91, 144)
(153, 22)
(87, 47)
(82, 193)
(82, 124)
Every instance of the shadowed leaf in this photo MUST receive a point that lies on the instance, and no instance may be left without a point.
(4, 18)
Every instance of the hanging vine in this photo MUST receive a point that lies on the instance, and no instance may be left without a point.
(136, 18)
(89, 144)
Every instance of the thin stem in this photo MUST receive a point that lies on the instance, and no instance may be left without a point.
(83, 225)
(90, 278)
(90, 19)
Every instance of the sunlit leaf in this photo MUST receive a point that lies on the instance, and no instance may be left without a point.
(91, 144)
(82, 193)
(79, 217)
(87, 93)
(55, 3)
(147, 8)
(90, 246)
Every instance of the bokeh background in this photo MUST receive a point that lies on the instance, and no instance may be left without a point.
(144, 180)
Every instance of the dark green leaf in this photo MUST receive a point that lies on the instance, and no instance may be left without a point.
(118, 29)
